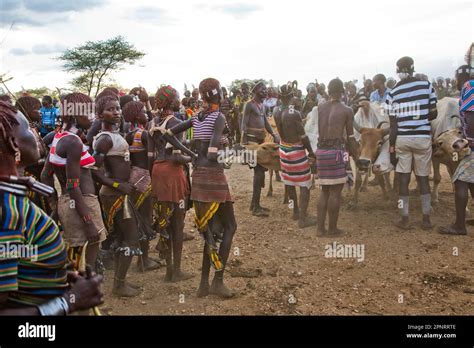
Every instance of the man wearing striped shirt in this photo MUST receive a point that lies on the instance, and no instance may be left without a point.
(411, 105)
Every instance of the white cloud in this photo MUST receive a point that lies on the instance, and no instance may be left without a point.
(152, 15)
(19, 51)
(48, 48)
(238, 10)
(54, 6)
(37, 13)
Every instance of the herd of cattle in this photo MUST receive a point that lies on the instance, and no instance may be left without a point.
(371, 128)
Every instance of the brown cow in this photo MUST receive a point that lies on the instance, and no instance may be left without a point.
(449, 148)
(371, 141)
(268, 156)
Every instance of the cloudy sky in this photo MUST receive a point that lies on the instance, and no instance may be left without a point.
(188, 40)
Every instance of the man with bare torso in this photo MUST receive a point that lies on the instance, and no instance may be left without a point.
(254, 124)
(294, 161)
(335, 122)
(242, 98)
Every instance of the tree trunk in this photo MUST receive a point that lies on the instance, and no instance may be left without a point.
(100, 81)
(91, 83)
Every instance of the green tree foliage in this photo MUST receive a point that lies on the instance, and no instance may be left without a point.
(39, 92)
(238, 82)
(95, 60)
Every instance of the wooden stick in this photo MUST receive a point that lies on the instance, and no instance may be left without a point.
(304, 256)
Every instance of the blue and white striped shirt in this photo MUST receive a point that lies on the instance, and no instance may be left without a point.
(410, 102)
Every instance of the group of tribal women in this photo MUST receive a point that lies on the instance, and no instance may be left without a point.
(126, 177)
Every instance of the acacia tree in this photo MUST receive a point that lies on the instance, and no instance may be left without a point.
(95, 60)
(38, 92)
(238, 82)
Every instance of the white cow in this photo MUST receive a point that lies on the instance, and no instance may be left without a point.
(445, 125)
(311, 128)
(369, 115)
(382, 164)
(447, 107)
(447, 140)
(372, 115)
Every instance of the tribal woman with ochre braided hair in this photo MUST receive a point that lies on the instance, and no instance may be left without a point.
(78, 205)
(170, 185)
(209, 191)
(111, 152)
(137, 139)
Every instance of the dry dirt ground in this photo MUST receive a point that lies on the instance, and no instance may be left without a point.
(280, 269)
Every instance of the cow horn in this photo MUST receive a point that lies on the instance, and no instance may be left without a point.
(385, 131)
(447, 130)
(380, 124)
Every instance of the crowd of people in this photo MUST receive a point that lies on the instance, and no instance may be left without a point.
(127, 169)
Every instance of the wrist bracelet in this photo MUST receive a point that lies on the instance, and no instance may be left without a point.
(57, 306)
(72, 183)
(115, 184)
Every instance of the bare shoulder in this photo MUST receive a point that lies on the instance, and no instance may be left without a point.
(48, 139)
(347, 110)
(103, 137)
(250, 105)
(71, 141)
(324, 106)
(103, 142)
(69, 145)
(323, 109)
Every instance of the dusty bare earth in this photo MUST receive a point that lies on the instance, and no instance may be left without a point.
(278, 268)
